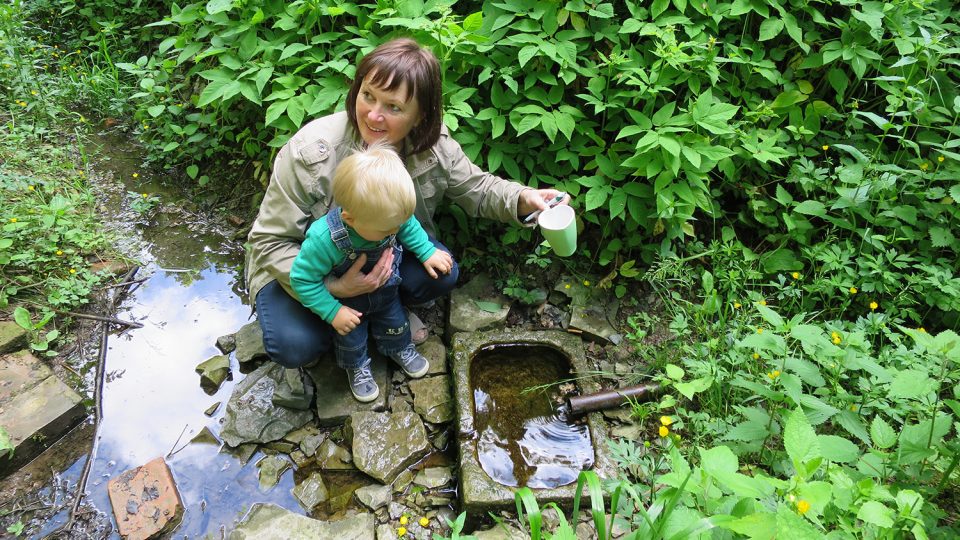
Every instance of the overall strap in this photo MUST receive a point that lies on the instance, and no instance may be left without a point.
(338, 232)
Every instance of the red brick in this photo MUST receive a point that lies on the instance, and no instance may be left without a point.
(145, 501)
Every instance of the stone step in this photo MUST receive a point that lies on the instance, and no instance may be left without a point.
(36, 408)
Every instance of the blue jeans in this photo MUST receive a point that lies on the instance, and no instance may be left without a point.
(383, 318)
(294, 336)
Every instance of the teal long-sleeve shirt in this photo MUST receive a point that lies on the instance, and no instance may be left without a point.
(319, 256)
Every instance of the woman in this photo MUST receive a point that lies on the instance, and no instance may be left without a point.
(396, 96)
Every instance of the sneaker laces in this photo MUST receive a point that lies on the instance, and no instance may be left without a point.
(362, 375)
(410, 353)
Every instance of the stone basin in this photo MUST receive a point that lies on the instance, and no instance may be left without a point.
(479, 492)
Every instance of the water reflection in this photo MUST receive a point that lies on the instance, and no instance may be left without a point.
(523, 442)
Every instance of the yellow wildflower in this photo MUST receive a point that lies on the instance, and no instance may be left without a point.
(825, 147)
(33, 92)
(73, 270)
(666, 420)
(404, 520)
(759, 330)
(136, 175)
(836, 341)
(924, 166)
(144, 195)
(736, 305)
(796, 275)
(13, 220)
(853, 290)
(664, 431)
(763, 302)
(803, 506)
(424, 522)
(59, 252)
(853, 408)
(922, 330)
(774, 374)
(29, 188)
(756, 356)
(401, 531)
(586, 283)
(940, 159)
(566, 286)
(874, 306)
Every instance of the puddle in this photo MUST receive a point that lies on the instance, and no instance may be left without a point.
(153, 404)
(522, 440)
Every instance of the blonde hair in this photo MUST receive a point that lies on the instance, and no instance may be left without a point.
(373, 185)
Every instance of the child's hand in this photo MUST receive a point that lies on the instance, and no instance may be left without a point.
(440, 261)
(346, 320)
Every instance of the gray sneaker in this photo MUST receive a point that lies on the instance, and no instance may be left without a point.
(362, 385)
(413, 363)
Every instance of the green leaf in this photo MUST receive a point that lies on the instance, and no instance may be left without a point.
(527, 53)
(769, 28)
(219, 6)
(713, 116)
(22, 318)
(156, 110)
(876, 513)
(489, 307)
(674, 372)
(941, 237)
(882, 434)
(772, 317)
(691, 388)
(799, 439)
(838, 449)
(811, 208)
(910, 383)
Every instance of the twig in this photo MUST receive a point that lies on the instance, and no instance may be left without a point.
(112, 320)
(124, 284)
(171, 452)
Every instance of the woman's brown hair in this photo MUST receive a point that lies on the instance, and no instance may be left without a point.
(393, 64)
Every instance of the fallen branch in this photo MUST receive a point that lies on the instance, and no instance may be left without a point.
(112, 320)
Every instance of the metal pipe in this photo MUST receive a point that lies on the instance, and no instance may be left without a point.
(607, 399)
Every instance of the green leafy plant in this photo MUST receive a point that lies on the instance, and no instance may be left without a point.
(456, 527)
(16, 529)
(6, 446)
(142, 203)
(39, 341)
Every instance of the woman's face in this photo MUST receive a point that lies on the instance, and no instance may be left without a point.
(382, 114)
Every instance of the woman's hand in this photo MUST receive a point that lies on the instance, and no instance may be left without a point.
(440, 261)
(532, 200)
(346, 320)
(354, 282)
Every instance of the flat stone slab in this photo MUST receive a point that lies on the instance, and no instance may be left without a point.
(251, 415)
(249, 343)
(36, 408)
(384, 444)
(335, 403)
(432, 398)
(435, 352)
(478, 305)
(267, 521)
(13, 337)
(145, 501)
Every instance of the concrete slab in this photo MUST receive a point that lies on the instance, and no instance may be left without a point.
(12, 337)
(36, 408)
(145, 501)
(335, 403)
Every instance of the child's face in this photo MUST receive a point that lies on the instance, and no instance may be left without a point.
(369, 232)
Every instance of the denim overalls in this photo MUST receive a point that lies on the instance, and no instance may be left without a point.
(381, 309)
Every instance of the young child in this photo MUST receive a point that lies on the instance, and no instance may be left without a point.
(374, 203)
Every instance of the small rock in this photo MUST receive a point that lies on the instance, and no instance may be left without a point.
(330, 456)
(271, 469)
(374, 496)
(310, 443)
(311, 491)
(403, 480)
(434, 477)
(432, 398)
(249, 343)
(205, 437)
(212, 409)
(213, 372)
(384, 444)
(227, 344)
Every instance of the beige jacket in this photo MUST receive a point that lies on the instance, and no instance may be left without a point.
(299, 193)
